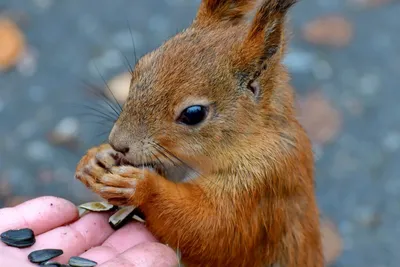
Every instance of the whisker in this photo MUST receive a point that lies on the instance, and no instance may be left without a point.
(102, 133)
(103, 96)
(184, 163)
(165, 156)
(164, 167)
(182, 167)
(178, 159)
(133, 43)
(100, 109)
(112, 94)
(96, 116)
(129, 66)
(101, 122)
(159, 161)
(169, 153)
(100, 112)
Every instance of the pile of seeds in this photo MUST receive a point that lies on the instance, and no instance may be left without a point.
(25, 237)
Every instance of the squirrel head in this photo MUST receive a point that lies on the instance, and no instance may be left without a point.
(207, 91)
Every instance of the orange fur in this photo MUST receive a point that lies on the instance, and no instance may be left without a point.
(251, 202)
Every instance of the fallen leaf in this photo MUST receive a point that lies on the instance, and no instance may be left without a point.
(333, 31)
(119, 87)
(12, 44)
(321, 121)
(65, 133)
(331, 241)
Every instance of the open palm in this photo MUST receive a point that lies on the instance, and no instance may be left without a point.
(56, 224)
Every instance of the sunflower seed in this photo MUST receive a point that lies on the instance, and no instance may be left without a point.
(81, 262)
(82, 212)
(96, 206)
(51, 265)
(43, 255)
(21, 238)
(137, 218)
(123, 215)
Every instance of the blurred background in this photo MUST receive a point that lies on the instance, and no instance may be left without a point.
(344, 57)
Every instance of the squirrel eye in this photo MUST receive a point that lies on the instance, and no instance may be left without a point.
(193, 115)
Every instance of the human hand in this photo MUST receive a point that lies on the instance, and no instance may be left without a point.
(56, 224)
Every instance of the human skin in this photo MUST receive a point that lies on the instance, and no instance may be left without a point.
(56, 224)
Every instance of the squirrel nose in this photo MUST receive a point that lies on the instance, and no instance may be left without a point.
(118, 142)
(122, 149)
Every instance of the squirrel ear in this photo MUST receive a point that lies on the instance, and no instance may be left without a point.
(266, 36)
(214, 11)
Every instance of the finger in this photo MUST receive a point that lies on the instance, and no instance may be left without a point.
(128, 236)
(145, 254)
(93, 169)
(108, 192)
(129, 171)
(13, 257)
(107, 157)
(6, 261)
(125, 238)
(117, 181)
(40, 214)
(125, 171)
(87, 180)
(100, 254)
(90, 154)
(91, 230)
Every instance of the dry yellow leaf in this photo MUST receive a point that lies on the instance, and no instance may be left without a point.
(12, 44)
(334, 31)
(331, 241)
(119, 87)
(320, 119)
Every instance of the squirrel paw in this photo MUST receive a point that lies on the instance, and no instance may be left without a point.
(119, 185)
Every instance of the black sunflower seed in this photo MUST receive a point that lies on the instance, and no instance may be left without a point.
(139, 214)
(51, 264)
(43, 255)
(121, 217)
(81, 262)
(21, 238)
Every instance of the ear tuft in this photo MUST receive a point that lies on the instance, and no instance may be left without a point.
(214, 11)
(270, 14)
(266, 36)
(285, 5)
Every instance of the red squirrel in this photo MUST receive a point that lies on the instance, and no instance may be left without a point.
(208, 147)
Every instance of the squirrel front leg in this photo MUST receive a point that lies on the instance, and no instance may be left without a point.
(208, 230)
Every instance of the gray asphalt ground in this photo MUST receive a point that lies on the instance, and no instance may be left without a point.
(358, 183)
